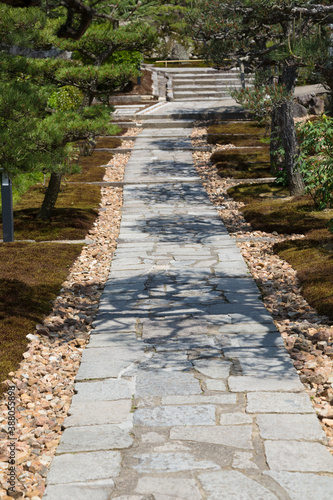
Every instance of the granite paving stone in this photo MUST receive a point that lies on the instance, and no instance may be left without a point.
(301, 486)
(98, 490)
(290, 426)
(93, 438)
(278, 402)
(172, 462)
(98, 413)
(104, 390)
(213, 367)
(216, 399)
(238, 436)
(296, 456)
(167, 416)
(169, 488)
(288, 381)
(166, 383)
(232, 485)
(77, 467)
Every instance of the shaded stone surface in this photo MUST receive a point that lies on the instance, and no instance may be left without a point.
(216, 399)
(235, 436)
(165, 383)
(163, 416)
(287, 382)
(213, 368)
(232, 485)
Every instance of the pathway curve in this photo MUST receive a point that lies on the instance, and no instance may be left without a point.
(185, 390)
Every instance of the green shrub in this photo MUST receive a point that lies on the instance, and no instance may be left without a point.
(316, 160)
(65, 98)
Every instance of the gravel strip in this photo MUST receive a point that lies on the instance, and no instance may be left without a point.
(308, 337)
(44, 382)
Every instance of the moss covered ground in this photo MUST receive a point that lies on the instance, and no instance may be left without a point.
(31, 274)
(249, 159)
(270, 208)
(31, 277)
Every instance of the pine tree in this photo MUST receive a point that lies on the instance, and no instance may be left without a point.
(275, 34)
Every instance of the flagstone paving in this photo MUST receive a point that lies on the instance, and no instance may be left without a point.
(185, 390)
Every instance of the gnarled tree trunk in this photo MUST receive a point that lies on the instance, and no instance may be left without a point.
(288, 133)
(51, 196)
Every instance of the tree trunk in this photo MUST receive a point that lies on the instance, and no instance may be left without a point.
(290, 146)
(51, 196)
(276, 160)
(288, 132)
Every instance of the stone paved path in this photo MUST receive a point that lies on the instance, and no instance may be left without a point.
(185, 390)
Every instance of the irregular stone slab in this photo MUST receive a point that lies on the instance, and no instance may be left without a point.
(295, 456)
(236, 418)
(98, 490)
(215, 385)
(213, 368)
(196, 342)
(81, 467)
(272, 339)
(293, 427)
(167, 416)
(233, 269)
(98, 413)
(166, 383)
(270, 402)
(104, 390)
(270, 367)
(114, 339)
(256, 384)
(215, 399)
(93, 438)
(304, 486)
(232, 485)
(253, 327)
(258, 354)
(171, 462)
(236, 436)
(102, 369)
(169, 488)
(243, 460)
(172, 361)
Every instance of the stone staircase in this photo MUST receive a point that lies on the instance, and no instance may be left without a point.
(196, 84)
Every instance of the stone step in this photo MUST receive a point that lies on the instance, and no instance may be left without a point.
(205, 88)
(201, 95)
(167, 123)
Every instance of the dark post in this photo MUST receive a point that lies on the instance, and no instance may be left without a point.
(7, 208)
